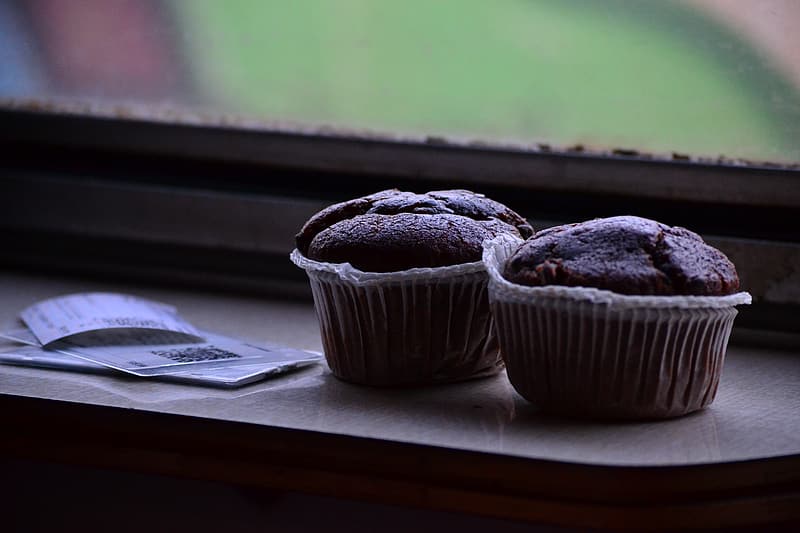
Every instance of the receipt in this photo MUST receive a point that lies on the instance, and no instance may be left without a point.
(228, 377)
(220, 361)
(148, 357)
(36, 356)
(101, 332)
(64, 316)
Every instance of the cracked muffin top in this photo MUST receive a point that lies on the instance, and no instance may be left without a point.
(395, 230)
(627, 255)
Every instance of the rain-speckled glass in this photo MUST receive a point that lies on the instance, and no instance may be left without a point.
(696, 77)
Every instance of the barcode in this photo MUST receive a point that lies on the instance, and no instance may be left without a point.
(131, 322)
(196, 354)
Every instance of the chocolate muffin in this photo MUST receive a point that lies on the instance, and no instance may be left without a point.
(627, 255)
(399, 289)
(621, 317)
(394, 230)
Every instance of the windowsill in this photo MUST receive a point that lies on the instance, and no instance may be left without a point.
(753, 420)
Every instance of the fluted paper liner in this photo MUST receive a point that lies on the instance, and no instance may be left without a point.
(591, 352)
(411, 327)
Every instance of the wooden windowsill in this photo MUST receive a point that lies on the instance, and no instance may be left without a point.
(470, 447)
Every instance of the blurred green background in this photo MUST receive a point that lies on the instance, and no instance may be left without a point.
(697, 77)
(655, 76)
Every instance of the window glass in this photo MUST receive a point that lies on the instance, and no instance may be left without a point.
(696, 77)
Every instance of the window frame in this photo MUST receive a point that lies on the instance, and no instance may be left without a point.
(175, 133)
(160, 196)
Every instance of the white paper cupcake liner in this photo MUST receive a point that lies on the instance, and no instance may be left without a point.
(592, 352)
(412, 327)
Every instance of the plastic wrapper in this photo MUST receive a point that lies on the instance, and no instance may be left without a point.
(591, 352)
(412, 327)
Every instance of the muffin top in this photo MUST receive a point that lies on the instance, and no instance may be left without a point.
(627, 255)
(394, 230)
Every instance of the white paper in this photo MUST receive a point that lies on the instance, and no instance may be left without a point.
(148, 356)
(22, 335)
(36, 356)
(103, 332)
(64, 316)
(254, 363)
